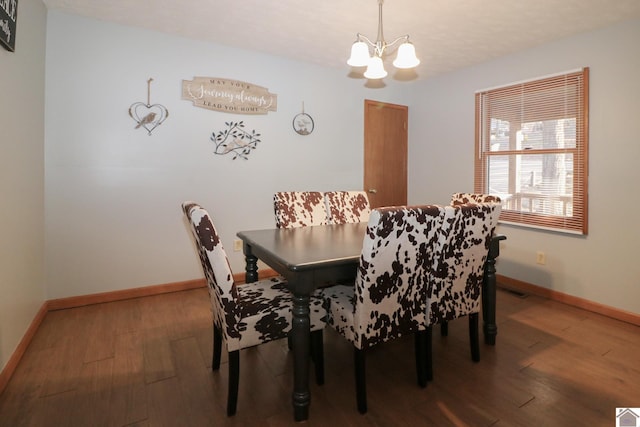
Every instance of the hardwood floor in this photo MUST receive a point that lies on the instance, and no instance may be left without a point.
(146, 362)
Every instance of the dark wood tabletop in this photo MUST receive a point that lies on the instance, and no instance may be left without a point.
(303, 248)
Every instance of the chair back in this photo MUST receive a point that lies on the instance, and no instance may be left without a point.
(464, 198)
(346, 207)
(462, 249)
(217, 271)
(390, 287)
(299, 209)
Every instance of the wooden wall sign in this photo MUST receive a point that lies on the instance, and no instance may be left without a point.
(8, 17)
(229, 96)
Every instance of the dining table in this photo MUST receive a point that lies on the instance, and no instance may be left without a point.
(312, 256)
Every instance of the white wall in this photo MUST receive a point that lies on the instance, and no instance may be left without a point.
(602, 266)
(22, 177)
(113, 194)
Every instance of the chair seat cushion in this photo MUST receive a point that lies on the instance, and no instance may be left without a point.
(339, 305)
(265, 312)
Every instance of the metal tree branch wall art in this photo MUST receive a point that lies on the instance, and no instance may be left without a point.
(235, 140)
(148, 116)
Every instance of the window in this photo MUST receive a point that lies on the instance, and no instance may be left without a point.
(532, 150)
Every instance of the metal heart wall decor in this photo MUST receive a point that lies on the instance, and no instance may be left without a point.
(148, 116)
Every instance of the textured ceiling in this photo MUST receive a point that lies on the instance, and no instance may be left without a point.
(447, 34)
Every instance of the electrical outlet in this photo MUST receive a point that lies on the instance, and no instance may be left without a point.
(237, 245)
(541, 258)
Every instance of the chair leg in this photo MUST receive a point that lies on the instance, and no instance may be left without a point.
(474, 338)
(234, 379)
(421, 357)
(317, 354)
(361, 383)
(444, 328)
(429, 353)
(217, 348)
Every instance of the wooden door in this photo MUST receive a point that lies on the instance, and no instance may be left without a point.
(385, 153)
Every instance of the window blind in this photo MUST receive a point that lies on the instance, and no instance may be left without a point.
(532, 150)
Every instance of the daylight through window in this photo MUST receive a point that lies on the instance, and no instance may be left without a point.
(531, 150)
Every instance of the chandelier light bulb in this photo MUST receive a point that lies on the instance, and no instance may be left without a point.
(375, 70)
(359, 55)
(406, 56)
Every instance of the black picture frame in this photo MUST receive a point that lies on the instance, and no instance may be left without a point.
(8, 23)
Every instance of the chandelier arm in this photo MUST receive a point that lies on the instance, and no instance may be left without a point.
(405, 38)
(381, 46)
(362, 37)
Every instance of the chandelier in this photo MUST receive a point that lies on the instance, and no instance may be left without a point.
(360, 56)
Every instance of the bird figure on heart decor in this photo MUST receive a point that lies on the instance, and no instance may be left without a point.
(148, 116)
(146, 119)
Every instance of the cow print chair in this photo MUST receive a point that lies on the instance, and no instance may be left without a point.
(461, 199)
(299, 209)
(247, 315)
(388, 300)
(347, 207)
(457, 273)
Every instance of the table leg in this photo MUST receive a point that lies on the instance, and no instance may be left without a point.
(251, 267)
(301, 339)
(490, 329)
